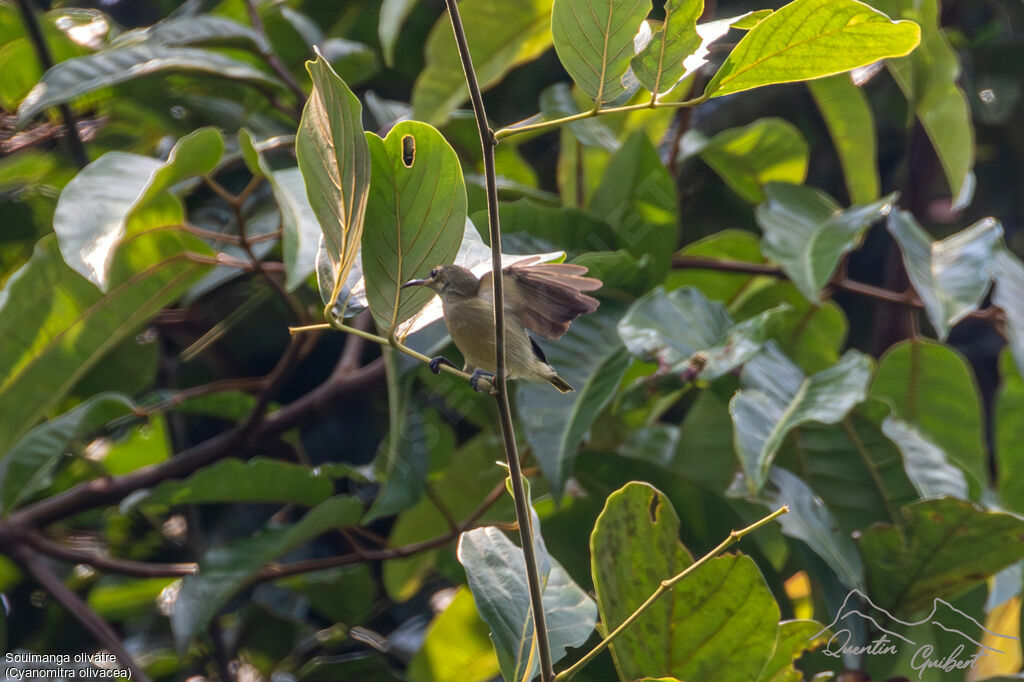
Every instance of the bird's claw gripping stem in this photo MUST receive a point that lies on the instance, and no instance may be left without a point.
(435, 364)
(478, 374)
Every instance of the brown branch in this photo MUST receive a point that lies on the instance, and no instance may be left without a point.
(272, 60)
(524, 513)
(69, 599)
(138, 569)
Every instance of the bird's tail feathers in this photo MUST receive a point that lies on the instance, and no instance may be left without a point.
(560, 384)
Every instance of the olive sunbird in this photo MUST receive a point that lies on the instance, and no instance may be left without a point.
(543, 298)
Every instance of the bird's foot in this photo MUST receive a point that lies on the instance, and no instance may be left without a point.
(435, 363)
(478, 374)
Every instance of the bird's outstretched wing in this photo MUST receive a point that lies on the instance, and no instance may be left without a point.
(545, 297)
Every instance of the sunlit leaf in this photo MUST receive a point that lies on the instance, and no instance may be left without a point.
(951, 276)
(456, 647)
(926, 464)
(808, 39)
(807, 233)
(415, 216)
(594, 41)
(334, 158)
(194, 30)
(1008, 273)
(847, 113)
(1009, 435)
(660, 64)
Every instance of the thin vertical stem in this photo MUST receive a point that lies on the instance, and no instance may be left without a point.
(522, 505)
(35, 34)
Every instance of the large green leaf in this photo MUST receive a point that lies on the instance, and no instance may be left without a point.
(392, 15)
(731, 244)
(225, 570)
(554, 424)
(931, 387)
(808, 39)
(594, 41)
(951, 276)
(659, 65)
(299, 225)
(727, 606)
(29, 465)
(1009, 435)
(1008, 273)
(496, 571)
(415, 217)
(793, 639)
(20, 65)
(501, 35)
(810, 520)
(672, 328)
(853, 465)
(943, 548)
(847, 113)
(925, 464)
(777, 397)
(55, 325)
(120, 194)
(637, 197)
(456, 647)
(334, 158)
(930, 80)
(258, 480)
(81, 75)
(747, 158)
(807, 233)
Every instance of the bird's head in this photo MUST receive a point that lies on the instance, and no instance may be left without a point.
(449, 281)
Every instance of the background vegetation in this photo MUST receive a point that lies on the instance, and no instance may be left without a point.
(810, 299)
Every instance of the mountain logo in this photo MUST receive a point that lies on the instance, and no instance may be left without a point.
(886, 641)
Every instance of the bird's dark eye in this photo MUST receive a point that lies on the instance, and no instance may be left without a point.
(435, 272)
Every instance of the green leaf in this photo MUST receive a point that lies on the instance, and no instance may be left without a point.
(807, 233)
(637, 197)
(1008, 273)
(951, 276)
(568, 228)
(811, 521)
(943, 548)
(594, 42)
(930, 80)
(496, 572)
(731, 244)
(778, 397)
(847, 113)
(747, 158)
(456, 647)
(120, 194)
(300, 229)
(120, 599)
(931, 387)
(501, 35)
(55, 325)
(346, 594)
(853, 465)
(223, 571)
(82, 75)
(1009, 435)
(415, 217)
(554, 424)
(659, 66)
(205, 29)
(673, 328)
(393, 14)
(808, 39)
(556, 101)
(925, 463)
(257, 480)
(728, 607)
(793, 639)
(334, 158)
(30, 464)
(20, 65)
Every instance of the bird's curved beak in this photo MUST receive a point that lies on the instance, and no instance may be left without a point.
(415, 283)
